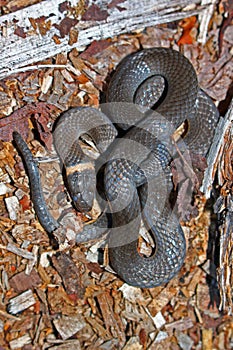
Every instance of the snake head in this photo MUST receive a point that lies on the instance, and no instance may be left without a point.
(82, 185)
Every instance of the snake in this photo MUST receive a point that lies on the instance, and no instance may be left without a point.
(150, 94)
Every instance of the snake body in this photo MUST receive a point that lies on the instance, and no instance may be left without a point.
(137, 177)
(46, 219)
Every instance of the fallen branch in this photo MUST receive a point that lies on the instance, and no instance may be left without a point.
(43, 30)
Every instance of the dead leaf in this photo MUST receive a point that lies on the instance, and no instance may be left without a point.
(65, 26)
(95, 48)
(94, 13)
(187, 24)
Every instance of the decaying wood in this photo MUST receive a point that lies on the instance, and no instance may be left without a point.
(216, 151)
(205, 18)
(69, 273)
(220, 171)
(225, 271)
(41, 31)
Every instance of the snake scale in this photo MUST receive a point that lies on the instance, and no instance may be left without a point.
(132, 132)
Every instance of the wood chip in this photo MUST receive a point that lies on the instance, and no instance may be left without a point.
(19, 251)
(12, 204)
(69, 273)
(203, 301)
(184, 341)
(133, 344)
(1, 326)
(21, 282)
(112, 321)
(179, 325)
(21, 302)
(97, 326)
(70, 344)
(45, 258)
(4, 189)
(46, 84)
(132, 294)
(195, 280)
(162, 300)
(159, 320)
(67, 326)
(207, 339)
(20, 342)
(160, 336)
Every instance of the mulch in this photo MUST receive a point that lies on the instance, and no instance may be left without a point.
(62, 298)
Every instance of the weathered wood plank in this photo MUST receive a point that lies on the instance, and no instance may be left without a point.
(219, 170)
(215, 152)
(108, 19)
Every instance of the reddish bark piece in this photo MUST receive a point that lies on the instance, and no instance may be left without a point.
(65, 26)
(40, 19)
(94, 13)
(42, 121)
(115, 3)
(42, 117)
(20, 32)
(70, 275)
(94, 48)
(143, 338)
(16, 121)
(94, 267)
(19, 119)
(210, 322)
(64, 6)
(21, 282)
(25, 203)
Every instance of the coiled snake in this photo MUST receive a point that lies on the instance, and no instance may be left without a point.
(136, 161)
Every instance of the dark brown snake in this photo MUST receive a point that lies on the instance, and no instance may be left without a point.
(136, 176)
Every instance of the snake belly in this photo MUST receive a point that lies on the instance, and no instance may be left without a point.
(137, 177)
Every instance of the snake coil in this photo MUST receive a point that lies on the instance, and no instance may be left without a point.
(137, 176)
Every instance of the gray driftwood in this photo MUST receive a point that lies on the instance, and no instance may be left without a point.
(128, 15)
(219, 171)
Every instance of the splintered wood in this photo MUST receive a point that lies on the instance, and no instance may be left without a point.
(224, 210)
(220, 169)
(55, 294)
(44, 31)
